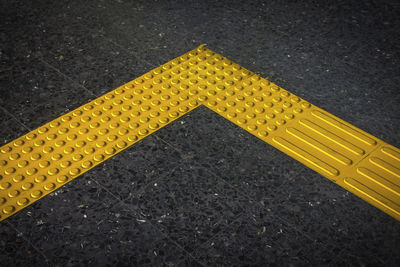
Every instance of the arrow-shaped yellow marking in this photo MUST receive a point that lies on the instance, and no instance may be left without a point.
(45, 159)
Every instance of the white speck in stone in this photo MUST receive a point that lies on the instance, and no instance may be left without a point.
(155, 184)
(84, 216)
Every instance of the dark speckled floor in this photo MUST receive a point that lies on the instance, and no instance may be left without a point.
(200, 191)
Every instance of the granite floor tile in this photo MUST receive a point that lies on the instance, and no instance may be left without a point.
(258, 239)
(128, 173)
(10, 128)
(15, 250)
(35, 93)
(190, 205)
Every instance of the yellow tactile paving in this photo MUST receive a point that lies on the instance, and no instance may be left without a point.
(41, 161)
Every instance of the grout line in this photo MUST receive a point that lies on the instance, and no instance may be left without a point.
(15, 118)
(126, 205)
(64, 75)
(29, 241)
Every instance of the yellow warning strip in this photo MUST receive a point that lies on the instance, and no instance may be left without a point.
(45, 159)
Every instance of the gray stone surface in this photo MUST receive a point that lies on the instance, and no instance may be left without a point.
(200, 191)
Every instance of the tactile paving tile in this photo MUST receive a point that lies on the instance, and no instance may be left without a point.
(41, 161)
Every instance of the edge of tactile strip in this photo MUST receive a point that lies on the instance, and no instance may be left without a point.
(45, 159)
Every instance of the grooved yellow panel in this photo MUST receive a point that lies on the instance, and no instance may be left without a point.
(43, 160)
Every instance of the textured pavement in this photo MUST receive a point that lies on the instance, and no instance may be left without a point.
(200, 191)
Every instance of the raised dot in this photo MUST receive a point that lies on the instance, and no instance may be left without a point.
(63, 178)
(83, 131)
(280, 122)
(143, 132)
(289, 116)
(74, 171)
(174, 114)
(65, 164)
(110, 151)
(51, 137)
(47, 149)
(18, 143)
(202, 98)
(40, 179)
(89, 150)
(285, 94)
(132, 138)
(275, 88)
(53, 171)
(270, 116)
(112, 138)
(5, 185)
(114, 125)
(63, 130)
(193, 103)
(261, 121)
(163, 120)
(56, 156)
(71, 137)
(98, 157)
(49, 186)
(103, 131)
(13, 193)
(77, 113)
(144, 120)
(153, 126)
(287, 104)
(252, 127)
(69, 150)
(86, 164)
(262, 133)
(298, 110)
(251, 115)
(240, 98)
(123, 131)
(241, 121)
(43, 130)
(39, 143)
(266, 94)
(77, 157)
(259, 110)
(272, 127)
(23, 163)
(44, 164)
(249, 104)
(36, 194)
(9, 209)
(105, 119)
(121, 144)
(27, 186)
(278, 110)
(23, 201)
(222, 109)
(3, 163)
(27, 149)
(124, 119)
(133, 125)
(295, 99)
(9, 170)
(74, 124)
(232, 115)
(59, 143)
(241, 109)
(306, 105)
(14, 156)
